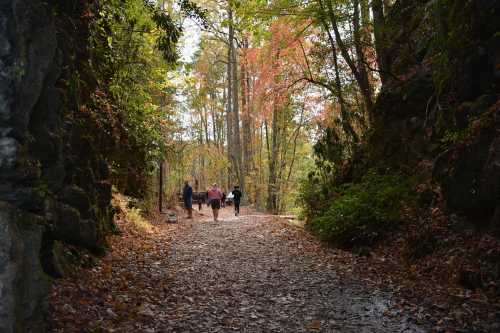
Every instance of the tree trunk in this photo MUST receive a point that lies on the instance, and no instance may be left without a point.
(160, 187)
(236, 153)
(204, 116)
(366, 27)
(273, 150)
(258, 194)
(360, 54)
(229, 106)
(213, 115)
(245, 115)
(383, 59)
(273, 161)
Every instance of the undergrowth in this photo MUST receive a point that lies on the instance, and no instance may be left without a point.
(133, 215)
(360, 213)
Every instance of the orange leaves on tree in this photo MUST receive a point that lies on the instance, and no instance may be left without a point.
(277, 68)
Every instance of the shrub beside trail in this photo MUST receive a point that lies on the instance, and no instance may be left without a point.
(360, 213)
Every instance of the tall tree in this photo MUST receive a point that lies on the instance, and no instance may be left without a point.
(229, 101)
(233, 91)
(359, 72)
(246, 111)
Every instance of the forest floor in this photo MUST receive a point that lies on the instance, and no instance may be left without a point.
(252, 273)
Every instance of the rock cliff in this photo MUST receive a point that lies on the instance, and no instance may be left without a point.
(54, 186)
(438, 117)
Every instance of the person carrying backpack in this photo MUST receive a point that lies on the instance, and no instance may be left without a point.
(237, 199)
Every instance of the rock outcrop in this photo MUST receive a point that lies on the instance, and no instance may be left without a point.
(54, 181)
(437, 118)
(27, 51)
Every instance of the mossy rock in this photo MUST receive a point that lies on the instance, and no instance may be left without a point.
(75, 197)
(70, 227)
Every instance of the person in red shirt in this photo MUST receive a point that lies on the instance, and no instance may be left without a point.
(214, 197)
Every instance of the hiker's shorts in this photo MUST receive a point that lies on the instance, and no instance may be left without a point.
(215, 203)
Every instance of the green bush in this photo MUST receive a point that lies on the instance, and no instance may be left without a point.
(362, 212)
(313, 195)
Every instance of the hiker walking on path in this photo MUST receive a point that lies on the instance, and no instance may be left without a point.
(214, 197)
(237, 199)
(187, 196)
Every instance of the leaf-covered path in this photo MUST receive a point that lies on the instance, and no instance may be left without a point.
(256, 274)
(253, 273)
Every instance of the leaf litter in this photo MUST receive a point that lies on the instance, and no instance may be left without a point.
(252, 273)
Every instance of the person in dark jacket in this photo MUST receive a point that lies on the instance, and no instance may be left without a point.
(237, 199)
(187, 196)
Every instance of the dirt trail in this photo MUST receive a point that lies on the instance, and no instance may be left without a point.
(255, 274)
(252, 273)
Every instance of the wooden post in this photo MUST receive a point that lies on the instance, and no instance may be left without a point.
(160, 189)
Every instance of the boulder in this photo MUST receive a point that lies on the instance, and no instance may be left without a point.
(76, 197)
(23, 284)
(71, 228)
